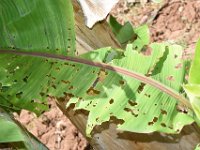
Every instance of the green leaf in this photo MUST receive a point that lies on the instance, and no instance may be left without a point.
(116, 90)
(141, 90)
(157, 1)
(143, 37)
(194, 75)
(33, 26)
(11, 132)
(193, 87)
(124, 33)
(127, 34)
(197, 147)
(37, 25)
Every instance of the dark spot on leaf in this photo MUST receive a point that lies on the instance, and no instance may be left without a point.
(175, 56)
(132, 103)
(91, 91)
(147, 95)
(71, 87)
(53, 78)
(155, 104)
(48, 75)
(66, 63)
(155, 119)
(65, 82)
(121, 82)
(111, 101)
(57, 49)
(171, 127)
(53, 86)
(163, 124)
(129, 110)
(164, 112)
(32, 101)
(47, 47)
(170, 78)
(25, 79)
(57, 68)
(97, 119)
(19, 95)
(73, 65)
(150, 123)
(69, 39)
(42, 94)
(140, 88)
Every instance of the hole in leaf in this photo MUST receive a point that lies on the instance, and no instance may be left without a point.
(91, 91)
(182, 109)
(102, 75)
(129, 110)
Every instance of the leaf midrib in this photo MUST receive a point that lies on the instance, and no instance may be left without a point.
(132, 74)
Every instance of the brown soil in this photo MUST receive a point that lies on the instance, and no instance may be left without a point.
(176, 20)
(53, 129)
(173, 20)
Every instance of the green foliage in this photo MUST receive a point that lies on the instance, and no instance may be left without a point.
(193, 87)
(197, 147)
(139, 36)
(141, 90)
(142, 108)
(33, 26)
(11, 132)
